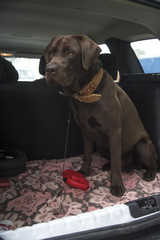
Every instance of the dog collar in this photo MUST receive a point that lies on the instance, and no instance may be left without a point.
(86, 94)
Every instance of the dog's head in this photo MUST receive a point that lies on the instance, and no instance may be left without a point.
(68, 57)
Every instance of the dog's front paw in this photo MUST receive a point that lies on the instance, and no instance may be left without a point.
(149, 175)
(117, 191)
(84, 171)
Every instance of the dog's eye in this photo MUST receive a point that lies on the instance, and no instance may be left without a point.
(69, 52)
(50, 55)
(52, 52)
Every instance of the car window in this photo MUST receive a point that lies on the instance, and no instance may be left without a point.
(148, 53)
(104, 48)
(28, 68)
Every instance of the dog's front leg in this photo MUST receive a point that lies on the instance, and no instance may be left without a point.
(88, 150)
(117, 187)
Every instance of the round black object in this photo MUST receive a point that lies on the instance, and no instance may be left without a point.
(12, 162)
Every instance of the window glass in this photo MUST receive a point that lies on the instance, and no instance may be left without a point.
(28, 68)
(148, 53)
(104, 48)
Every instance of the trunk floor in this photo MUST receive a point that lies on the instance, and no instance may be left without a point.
(40, 194)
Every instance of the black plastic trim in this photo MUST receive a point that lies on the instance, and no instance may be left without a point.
(149, 3)
(144, 206)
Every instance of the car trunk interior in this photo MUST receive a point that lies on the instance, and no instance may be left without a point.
(35, 118)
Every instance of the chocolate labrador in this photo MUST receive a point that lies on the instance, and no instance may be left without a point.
(102, 109)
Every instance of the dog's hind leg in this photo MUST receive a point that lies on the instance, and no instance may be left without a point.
(146, 153)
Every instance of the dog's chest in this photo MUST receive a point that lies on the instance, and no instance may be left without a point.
(86, 117)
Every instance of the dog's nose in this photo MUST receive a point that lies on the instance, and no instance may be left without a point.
(51, 68)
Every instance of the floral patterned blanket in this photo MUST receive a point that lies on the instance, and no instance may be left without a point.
(40, 194)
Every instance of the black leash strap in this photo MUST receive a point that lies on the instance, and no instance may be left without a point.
(67, 134)
(65, 152)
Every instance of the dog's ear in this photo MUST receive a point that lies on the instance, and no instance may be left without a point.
(46, 55)
(89, 50)
(47, 50)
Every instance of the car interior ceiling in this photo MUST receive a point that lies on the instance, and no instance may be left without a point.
(97, 20)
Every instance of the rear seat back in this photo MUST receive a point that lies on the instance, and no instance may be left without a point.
(144, 91)
(34, 119)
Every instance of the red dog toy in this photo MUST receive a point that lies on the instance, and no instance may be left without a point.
(75, 179)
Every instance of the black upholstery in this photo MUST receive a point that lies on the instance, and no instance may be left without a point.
(34, 120)
(144, 91)
(42, 66)
(8, 73)
(109, 63)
